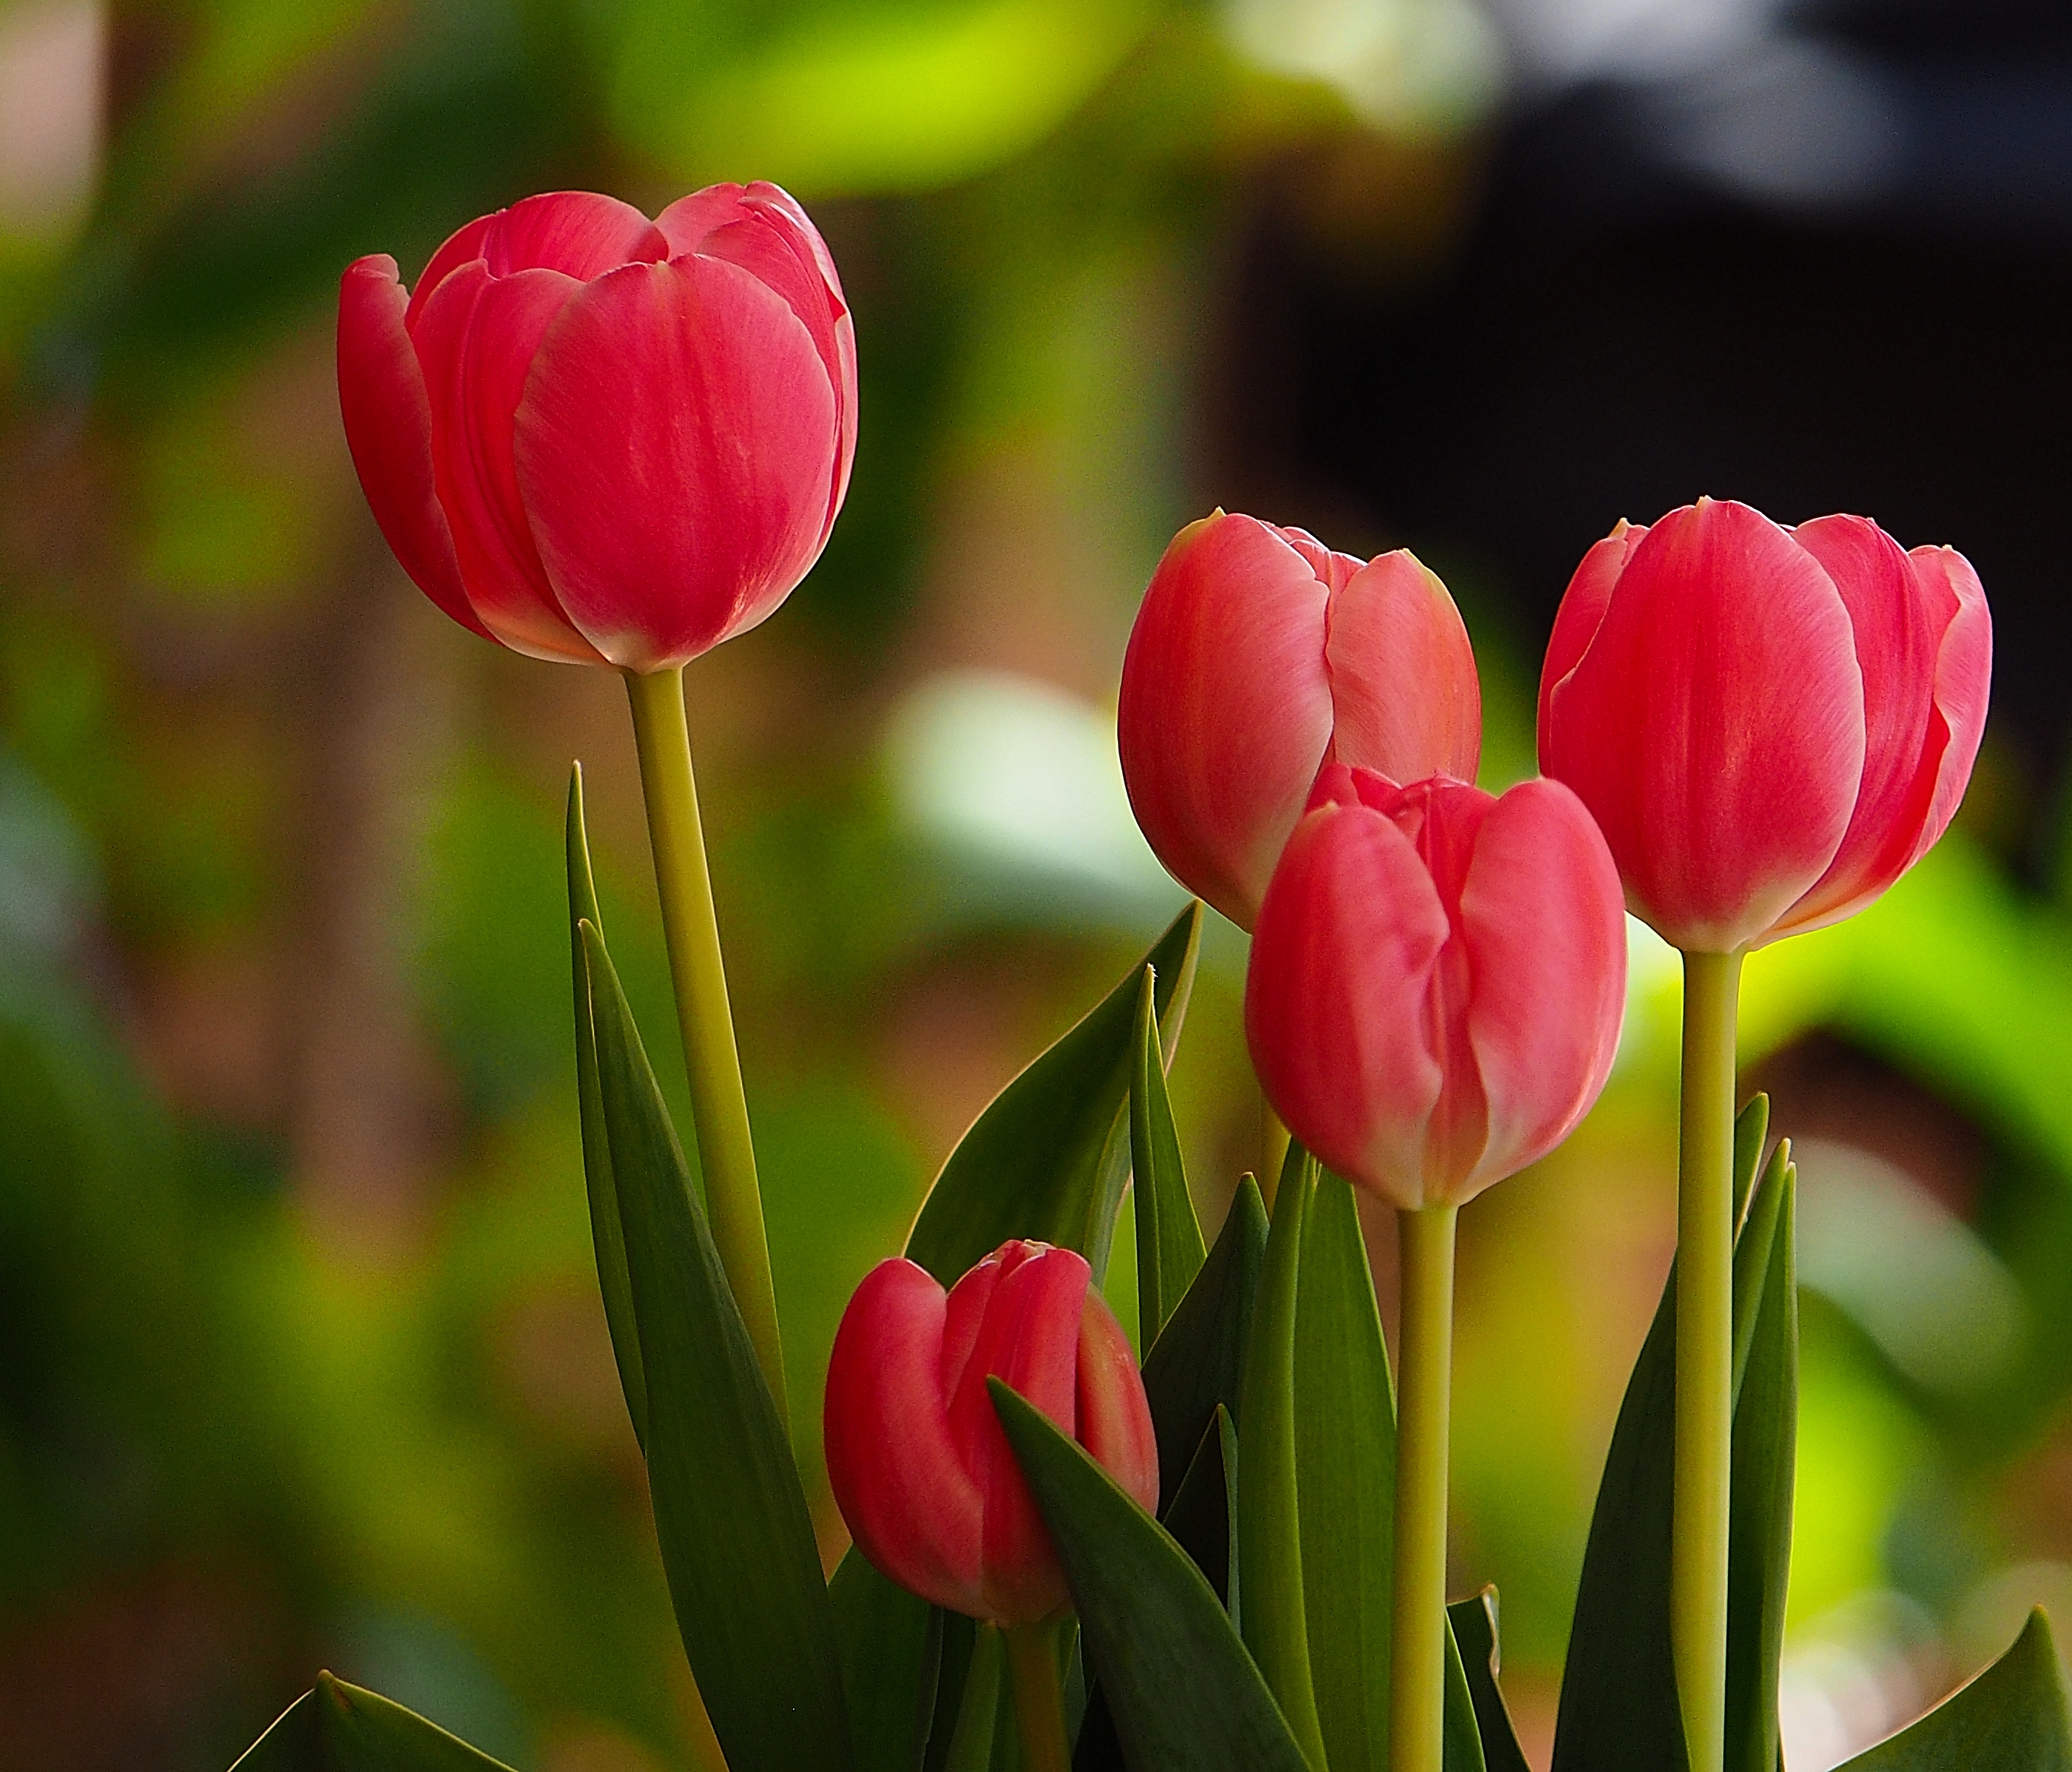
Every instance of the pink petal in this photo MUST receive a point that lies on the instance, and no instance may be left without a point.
(1714, 726)
(675, 445)
(1963, 680)
(1405, 699)
(577, 232)
(461, 247)
(1582, 610)
(1114, 1416)
(1334, 568)
(388, 419)
(1543, 921)
(1225, 708)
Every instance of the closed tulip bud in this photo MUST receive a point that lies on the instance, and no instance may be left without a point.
(1258, 656)
(920, 1467)
(1437, 981)
(593, 437)
(1771, 725)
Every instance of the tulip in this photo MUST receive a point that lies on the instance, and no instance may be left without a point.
(1258, 656)
(919, 1464)
(593, 437)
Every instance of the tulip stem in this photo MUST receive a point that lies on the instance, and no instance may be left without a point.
(719, 1109)
(1417, 1669)
(1705, 1354)
(1039, 1697)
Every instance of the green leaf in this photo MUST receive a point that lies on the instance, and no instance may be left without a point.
(1169, 1250)
(1049, 1159)
(2012, 1718)
(1344, 1468)
(736, 1538)
(979, 1712)
(1197, 1364)
(1184, 1695)
(337, 1728)
(1269, 1521)
(891, 1646)
(1461, 1736)
(607, 1235)
(1474, 1626)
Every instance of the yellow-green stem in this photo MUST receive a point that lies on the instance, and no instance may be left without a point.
(1039, 1697)
(1418, 1670)
(1705, 1354)
(719, 1109)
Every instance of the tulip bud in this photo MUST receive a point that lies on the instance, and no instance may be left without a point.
(920, 1467)
(1437, 981)
(592, 436)
(1259, 656)
(1771, 725)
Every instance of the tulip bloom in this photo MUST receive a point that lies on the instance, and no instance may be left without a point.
(919, 1464)
(1436, 980)
(1771, 725)
(1258, 656)
(593, 437)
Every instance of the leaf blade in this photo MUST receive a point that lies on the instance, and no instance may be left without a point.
(1475, 1638)
(2012, 1718)
(1169, 1248)
(336, 1727)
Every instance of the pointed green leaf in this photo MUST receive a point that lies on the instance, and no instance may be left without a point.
(1474, 1624)
(338, 1728)
(2012, 1718)
(891, 1646)
(1345, 1465)
(1461, 1736)
(1049, 1159)
(1185, 1695)
(959, 1637)
(978, 1714)
(736, 1538)
(1751, 1129)
(1170, 1249)
(607, 1237)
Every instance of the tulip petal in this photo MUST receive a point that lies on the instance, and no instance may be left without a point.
(459, 248)
(1226, 707)
(1963, 680)
(1541, 919)
(1714, 726)
(895, 1471)
(1114, 1415)
(578, 233)
(1337, 997)
(1334, 569)
(1582, 610)
(387, 418)
(674, 447)
(1405, 699)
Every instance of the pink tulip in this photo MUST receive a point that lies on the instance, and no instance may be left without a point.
(921, 1469)
(1437, 981)
(1771, 725)
(1258, 656)
(592, 437)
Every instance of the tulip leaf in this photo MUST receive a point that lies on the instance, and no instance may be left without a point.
(1345, 1461)
(1461, 1736)
(1475, 1624)
(891, 1646)
(1619, 1711)
(1197, 1364)
(1268, 1515)
(959, 1639)
(334, 1727)
(2012, 1718)
(979, 1709)
(607, 1235)
(1170, 1249)
(736, 1539)
(1050, 1158)
(1185, 1694)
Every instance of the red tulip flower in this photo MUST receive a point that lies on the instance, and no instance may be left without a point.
(1437, 982)
(1771, 725)
(594, 437)
(922, 1471)
(1258, 656)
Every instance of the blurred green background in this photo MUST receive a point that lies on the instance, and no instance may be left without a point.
(301, 1359)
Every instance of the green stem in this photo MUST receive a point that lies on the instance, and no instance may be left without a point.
(719, 1109)
(1417, 1672)
(1039, 1697)
(1705, 1354)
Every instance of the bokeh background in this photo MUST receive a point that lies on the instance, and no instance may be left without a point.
(300, 1361)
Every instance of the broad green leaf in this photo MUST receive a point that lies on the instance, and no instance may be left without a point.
(1185, 1695)
(891, 1646)
(1345, 1468)
(1197, 1364)
(1475, 1624)
(1169, 1250)
(1050, 1158)
(736, 1538)
(337, 1728)
(1269, 1522)
(607, 1235)
(2012, 1718)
